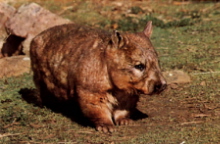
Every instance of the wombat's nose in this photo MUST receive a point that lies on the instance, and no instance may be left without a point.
(160, 87)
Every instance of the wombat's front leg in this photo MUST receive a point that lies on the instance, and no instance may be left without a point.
(121, 117)
(97, 109)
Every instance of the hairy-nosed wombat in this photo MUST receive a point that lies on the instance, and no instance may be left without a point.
(104, 71)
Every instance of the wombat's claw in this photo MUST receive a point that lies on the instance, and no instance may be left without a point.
(105, 128)
(124, 121)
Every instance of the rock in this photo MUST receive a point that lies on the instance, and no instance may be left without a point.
(14, 66)
(174, 85)
(1, 44)
(6, 12)
(176, 76)
(203, 83)
(30, 20)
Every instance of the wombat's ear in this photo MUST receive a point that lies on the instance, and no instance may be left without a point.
(148, 29)
(117, 41)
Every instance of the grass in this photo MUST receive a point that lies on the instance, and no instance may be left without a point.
(186, 37)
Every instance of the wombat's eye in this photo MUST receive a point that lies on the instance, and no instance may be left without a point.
(140, 67)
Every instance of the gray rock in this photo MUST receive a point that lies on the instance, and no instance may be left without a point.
(1, 44)
(6, 12)
(30, 20)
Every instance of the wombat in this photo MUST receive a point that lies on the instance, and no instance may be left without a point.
(104, 71)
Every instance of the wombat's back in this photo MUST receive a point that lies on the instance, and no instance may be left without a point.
(67, 38)
(61, 55)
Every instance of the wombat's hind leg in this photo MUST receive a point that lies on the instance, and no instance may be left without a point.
(44, 95)
(121, 117)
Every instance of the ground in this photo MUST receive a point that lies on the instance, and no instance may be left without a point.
(186, 36)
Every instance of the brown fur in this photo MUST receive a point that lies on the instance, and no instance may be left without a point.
(104, 71)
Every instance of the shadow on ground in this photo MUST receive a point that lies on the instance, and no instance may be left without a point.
(69, 109)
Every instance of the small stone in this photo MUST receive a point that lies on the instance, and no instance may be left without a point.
(174, 86)
(176, 77)
(203, 83)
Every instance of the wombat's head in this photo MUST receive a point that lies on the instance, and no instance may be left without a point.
(133, 63)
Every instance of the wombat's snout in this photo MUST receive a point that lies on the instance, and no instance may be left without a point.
(158, 88)
(160, 85)
(153, 87)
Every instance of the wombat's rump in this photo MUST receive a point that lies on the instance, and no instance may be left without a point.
(104, 71)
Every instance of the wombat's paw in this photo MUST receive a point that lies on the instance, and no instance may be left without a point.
(106, 128)
(124, 121)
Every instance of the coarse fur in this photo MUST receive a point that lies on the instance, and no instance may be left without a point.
(104, 71)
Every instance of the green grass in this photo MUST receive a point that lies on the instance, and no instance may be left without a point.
(196, 47)
(173, 115)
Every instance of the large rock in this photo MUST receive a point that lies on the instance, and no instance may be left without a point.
(14, 66)
(30, 20)
(1, 44)
(6, 12)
